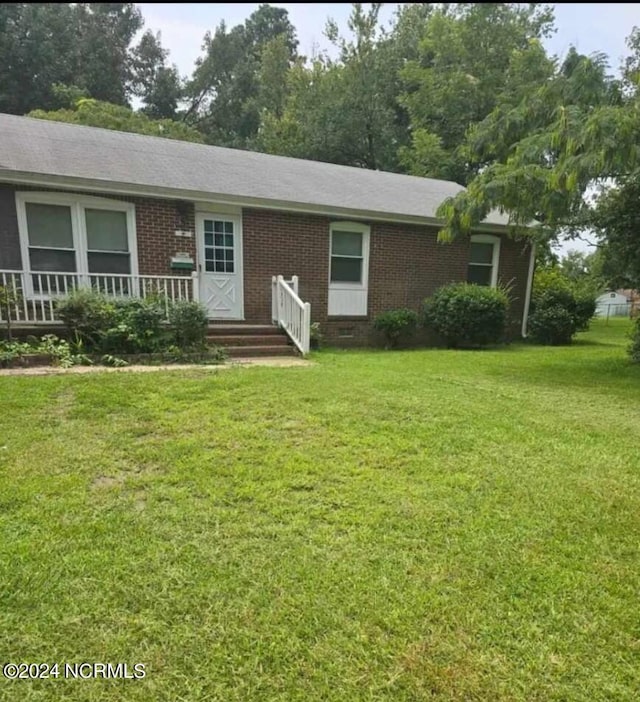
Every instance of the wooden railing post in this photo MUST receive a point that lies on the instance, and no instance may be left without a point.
(274, 299)
(195, 286)
(306, 328)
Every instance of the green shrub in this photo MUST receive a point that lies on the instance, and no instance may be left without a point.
(634, 348)
(396, 325)
(585, 310)
(557, 310)
(188, 322)
(137, 326)
(468, 315)
(86, 314)
(106, 325)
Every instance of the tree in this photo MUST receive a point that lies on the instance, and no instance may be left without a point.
(36, 52)
(541, 149)
(94, 113)
(158, 85)
(617, 223)
(346, 110)
(102, 34)
(467, 54)
(83, 47)
(584, 271)
(224, 91)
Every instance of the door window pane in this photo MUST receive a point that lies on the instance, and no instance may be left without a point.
(106, 230)
(49, 225)
(219, 246)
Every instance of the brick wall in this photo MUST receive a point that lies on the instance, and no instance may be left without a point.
(406, 264)
(156, 223)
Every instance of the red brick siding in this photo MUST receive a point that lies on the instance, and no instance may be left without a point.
(406, 265)
(284, 244)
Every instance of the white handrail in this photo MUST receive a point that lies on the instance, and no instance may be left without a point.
(290, 312)
(35, 292)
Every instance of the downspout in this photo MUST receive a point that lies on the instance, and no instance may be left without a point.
(527, 297)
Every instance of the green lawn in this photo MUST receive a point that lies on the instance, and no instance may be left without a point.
(420, 525)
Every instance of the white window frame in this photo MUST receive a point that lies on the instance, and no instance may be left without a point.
(350, 296)
(495, 260)
(77, 205)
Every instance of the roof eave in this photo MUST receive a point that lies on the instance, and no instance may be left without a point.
(129, 189)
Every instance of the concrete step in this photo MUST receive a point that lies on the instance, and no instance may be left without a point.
(252, 351)
(248, 340)
(238, 329)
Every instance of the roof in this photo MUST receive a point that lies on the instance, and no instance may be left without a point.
(81, 155)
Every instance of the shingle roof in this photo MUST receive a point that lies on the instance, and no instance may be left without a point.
(40, 147)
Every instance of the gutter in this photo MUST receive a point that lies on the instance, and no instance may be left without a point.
(527, 297)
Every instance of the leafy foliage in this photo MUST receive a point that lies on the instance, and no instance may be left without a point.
(468, 54)
(61, 351)
(617, 222)
(634, 347)
(224, 94)
(467, 315)
(93, 113)
(86, 46)
(396, 325)
(132, 326)
(188, 322)
(558, 311)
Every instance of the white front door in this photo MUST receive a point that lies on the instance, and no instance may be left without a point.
(220, 254)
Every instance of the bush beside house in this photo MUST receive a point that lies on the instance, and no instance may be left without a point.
(106, 330)
(465, 315)
(558, 310)
(396, 325)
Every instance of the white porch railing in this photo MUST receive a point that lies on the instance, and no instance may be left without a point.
(290, 312)
(35, 293)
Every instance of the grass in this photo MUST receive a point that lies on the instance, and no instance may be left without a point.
(419, 525)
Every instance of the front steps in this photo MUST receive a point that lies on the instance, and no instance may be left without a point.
(250, 340)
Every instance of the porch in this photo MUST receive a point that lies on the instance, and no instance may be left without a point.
(28, 300)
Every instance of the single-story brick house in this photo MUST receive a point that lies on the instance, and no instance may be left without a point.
(127, 213)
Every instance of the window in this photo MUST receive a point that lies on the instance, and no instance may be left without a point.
(348, 268)
(346, 256)
(484, 253)
(218, 246)
(74, 235)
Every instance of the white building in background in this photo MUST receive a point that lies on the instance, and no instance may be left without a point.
(613, 304)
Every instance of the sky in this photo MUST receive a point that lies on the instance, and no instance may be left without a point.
(593, 27)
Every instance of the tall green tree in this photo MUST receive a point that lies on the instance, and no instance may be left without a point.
(83, 49)
(345, 110)
(467, 54)
(158, 86)
(616, 220)
(544, 149)
(224, 92)
(36, 52)
(103, 34)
